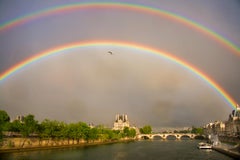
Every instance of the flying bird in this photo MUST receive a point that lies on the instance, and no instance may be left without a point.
(110, 52)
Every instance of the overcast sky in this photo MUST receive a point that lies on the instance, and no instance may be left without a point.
(90, 85)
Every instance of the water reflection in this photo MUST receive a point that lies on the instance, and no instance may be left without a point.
(140, 150)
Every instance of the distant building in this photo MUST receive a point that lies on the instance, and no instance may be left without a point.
(91, 125)
(120, 122)
(229, 128)
(20, 118)
(233, 124)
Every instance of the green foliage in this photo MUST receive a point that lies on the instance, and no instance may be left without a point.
(146, 129)
(30, 125)
(4, 119)
(126, 131)
(132, 133)
(184, 131)
(15, 126)
(129, 132)
(93, 134)
(116, 135)
(197, 130)
(79, 130)
(52, 129)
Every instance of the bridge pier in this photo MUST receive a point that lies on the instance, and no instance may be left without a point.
(178, 137)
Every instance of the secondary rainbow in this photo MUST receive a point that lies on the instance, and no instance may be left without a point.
(163, 54)
(127, 6)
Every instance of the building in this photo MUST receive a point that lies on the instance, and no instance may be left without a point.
(120, 122)
(20, 118)
(233, 124)
(220, 128)
(91, 125)
(208, 129)
(229, 128)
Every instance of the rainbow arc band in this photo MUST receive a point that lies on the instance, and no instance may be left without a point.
(122, 5)
(66, 47)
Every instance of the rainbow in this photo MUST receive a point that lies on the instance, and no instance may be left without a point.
(165, 55)
(127, 6)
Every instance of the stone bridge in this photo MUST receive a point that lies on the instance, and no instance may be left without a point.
(164, 136)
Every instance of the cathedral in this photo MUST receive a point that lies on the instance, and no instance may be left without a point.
(120, 122)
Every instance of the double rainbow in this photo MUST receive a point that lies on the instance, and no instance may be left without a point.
(125, 6)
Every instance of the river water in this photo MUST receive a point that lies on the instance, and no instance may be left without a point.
(138, 150)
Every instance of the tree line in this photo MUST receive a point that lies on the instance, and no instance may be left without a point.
(53, 129)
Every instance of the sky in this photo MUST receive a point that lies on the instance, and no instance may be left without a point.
(89, 84)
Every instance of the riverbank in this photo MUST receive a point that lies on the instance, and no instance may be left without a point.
(61, 146)
(231, 152)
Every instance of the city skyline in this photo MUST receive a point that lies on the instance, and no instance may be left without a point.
(89, 84)
(129, 123)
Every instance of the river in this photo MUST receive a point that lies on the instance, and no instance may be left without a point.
(138, 150)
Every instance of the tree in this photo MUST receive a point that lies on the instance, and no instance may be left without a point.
(15, 126)
(93, 134)
(4, 119)
(66, 132)
(132, 133)
(108, 134)
(30, 125)
(184, 131)
(77, 131)
(175, 131)
(146, 129)
(126, 132)
(52, 129)
(196, 130)
(115, 135)
(82, 131)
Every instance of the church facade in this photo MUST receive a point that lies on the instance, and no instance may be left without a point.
(120, 122)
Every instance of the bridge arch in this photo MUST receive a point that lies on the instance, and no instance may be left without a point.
(186, 137)
(145, 137)
(200, 137)
(157, 137)
(172, 137)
